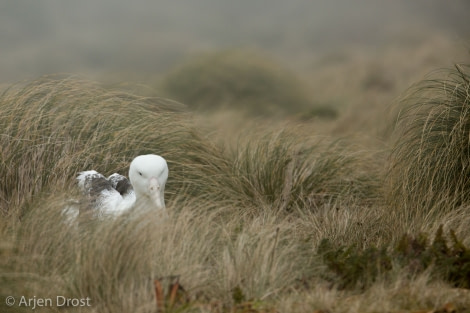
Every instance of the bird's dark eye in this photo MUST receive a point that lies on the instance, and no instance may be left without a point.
(140, 173)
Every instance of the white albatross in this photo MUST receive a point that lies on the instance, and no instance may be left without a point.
(116, 194)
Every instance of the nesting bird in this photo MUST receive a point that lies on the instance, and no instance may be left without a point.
(116, 194)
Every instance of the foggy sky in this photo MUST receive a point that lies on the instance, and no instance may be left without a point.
(48, 36)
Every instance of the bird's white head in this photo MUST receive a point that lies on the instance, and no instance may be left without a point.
(148, 175)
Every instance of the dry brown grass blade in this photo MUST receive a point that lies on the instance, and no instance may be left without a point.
(174, 288)
(171, 295)
(159, 295)
(178, 294)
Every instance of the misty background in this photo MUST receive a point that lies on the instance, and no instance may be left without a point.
(134, 40)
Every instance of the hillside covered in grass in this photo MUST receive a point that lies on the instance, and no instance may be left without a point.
(275, 217)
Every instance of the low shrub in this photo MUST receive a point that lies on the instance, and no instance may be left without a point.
(447, 259)
(237, 80)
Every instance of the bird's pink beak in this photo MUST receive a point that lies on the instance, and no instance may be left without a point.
(154, 190)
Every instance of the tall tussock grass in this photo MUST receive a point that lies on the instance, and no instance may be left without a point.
(114, 262)
(222, 261)
(52, 128)
(431, 158)
(286, 171)
(246, 220)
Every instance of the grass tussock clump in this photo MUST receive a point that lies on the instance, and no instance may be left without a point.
(431, 158)
(115, 262)
(282, 171)
(52, 128)
(237, 80)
